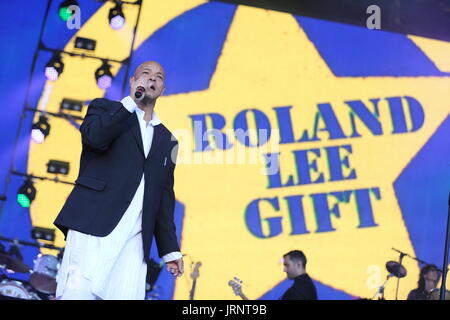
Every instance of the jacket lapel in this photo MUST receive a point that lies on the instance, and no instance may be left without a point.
(133, 122)
(157, 138)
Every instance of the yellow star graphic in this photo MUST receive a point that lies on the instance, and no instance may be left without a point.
(268, 61)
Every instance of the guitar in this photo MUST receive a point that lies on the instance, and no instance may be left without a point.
(236, 285)
(194, 275)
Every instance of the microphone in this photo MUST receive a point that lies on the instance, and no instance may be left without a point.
(140, 93)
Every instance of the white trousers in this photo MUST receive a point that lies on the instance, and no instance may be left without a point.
(111, 267)
(89, 271)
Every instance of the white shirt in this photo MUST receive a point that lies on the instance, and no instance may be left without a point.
(113, 267)
(147, 130)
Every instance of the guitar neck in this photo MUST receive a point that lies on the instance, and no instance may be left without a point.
(191, 294)
(243, 296)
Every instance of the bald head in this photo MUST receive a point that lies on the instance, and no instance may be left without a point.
(151, 76)
(151, 65)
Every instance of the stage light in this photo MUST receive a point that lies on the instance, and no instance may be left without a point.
(39, 233)
(40, 129)
(85, 43)
(103, 76)
(26, 194)
(55, 166)
(64, 13)
(54, 67)
(73, 105)
(116, 17)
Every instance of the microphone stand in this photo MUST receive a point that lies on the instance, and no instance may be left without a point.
(400, 260)
(421, 262)
(444, 267)
(381, 288)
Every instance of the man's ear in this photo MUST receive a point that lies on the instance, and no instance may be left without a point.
(131, 79)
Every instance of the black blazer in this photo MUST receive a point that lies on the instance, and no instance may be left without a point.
(111, 167)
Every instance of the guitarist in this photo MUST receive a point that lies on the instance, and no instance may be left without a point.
(295, 267)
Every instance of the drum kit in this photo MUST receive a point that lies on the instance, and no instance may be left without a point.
(395, 269)
(41, 284)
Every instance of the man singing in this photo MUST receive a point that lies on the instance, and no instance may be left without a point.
(122, 198)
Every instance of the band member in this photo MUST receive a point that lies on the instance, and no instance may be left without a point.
(122, 198)
(295, 267)
(428, 280)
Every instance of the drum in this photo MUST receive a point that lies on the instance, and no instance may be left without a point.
(44, 273)
(15, 289)
(436, 293)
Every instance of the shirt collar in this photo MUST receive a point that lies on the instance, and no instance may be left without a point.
(302, 276)
(140, 114)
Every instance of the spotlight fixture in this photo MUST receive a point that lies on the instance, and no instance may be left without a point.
(39, 233)
(55, 166)
(54, 67)
(40, 129)
(103, 76)
(64, 13)
(85, 43)
(73, 105)
(26, 194)
(116, 16)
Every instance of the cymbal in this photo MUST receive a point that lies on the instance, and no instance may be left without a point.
(13, 264)
(396, 269)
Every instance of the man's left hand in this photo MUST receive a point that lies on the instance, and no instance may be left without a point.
(176, 267)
